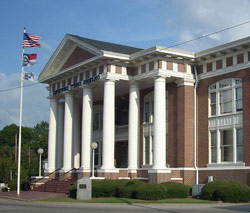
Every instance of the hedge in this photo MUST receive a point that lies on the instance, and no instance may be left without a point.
(73, 191)
(151, 191)
(128, 188)
(226, 191)
(105, 188)
(176, 190)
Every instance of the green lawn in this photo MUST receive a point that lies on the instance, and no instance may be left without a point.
(124, 200)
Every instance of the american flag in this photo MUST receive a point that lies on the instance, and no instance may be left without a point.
(31, 40)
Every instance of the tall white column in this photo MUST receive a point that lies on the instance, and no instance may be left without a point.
(87, 108)
(159, 123)
(52, 135)
(76, 135)
(60, 126)
(134, 127)
(68, 130)
(108, 126)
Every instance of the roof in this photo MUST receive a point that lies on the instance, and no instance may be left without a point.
(106, 46)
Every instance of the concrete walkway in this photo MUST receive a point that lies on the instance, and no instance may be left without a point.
(30, 195)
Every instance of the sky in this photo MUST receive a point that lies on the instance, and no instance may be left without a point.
(137, 23)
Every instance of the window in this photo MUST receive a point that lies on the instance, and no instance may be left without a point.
(148, 150)
(225, 122)
(213, 146)
(239, 138)
(225, 97)
(147, 112)
(226, 145)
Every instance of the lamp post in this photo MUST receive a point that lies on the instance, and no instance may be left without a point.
(93, 146)
(40, 152)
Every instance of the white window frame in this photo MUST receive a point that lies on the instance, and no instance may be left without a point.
(218, 128)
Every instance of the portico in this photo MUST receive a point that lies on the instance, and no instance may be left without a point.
(100, 95)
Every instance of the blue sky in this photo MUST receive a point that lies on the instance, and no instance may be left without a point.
(138, 23)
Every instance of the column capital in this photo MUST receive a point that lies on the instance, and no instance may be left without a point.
(134, 83)
(69, 93)
(185, 82)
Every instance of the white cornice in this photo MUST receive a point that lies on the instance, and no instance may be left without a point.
(223, 47)
(224, 71)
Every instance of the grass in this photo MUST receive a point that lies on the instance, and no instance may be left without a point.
(124, 200)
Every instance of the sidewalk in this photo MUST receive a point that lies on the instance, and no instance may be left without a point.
(29, 195)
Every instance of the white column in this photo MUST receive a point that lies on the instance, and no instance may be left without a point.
(52, 136)
(134, 127)
(76, 135)
(159, 123)
(68, 129)
(60, 126)
(87, 108)
(108, 126)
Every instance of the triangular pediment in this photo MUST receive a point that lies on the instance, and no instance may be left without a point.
(69, 53)
(77, 56)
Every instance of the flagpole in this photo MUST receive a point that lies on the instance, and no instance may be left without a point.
(20, 128)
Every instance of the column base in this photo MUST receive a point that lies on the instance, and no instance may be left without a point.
(159, 175)
(83, 172)
(108, 173)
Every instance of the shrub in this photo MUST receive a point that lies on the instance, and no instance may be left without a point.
(105, 188)
(226, 191)
(73, 191)
(176, 190)
(127, 188)
(151, 191)
(12, 184)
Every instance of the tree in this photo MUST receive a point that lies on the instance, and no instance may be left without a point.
(32, 139)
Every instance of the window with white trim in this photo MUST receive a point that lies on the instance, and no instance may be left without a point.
(225, 97)
(225, 122)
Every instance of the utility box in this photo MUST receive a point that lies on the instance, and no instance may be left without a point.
(196, 190)
(84, 189)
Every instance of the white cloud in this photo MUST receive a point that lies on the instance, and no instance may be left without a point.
(35, 103)
(195, 18)
(45, 45)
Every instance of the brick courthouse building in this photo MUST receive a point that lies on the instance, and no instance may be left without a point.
(157, 114)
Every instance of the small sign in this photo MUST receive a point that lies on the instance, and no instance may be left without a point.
(82, 186)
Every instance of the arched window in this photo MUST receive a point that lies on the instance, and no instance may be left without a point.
(225, 97)
(225, 122)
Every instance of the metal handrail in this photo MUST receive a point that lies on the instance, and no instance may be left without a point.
(47, 175)
(69, 172)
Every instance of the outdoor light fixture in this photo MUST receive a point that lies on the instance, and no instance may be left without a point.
(40, 152)
(93, 146)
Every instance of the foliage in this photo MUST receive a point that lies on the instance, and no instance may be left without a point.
(32, 139)
(151, 191)
(73, 191)
(105, 188)
(176, 190)
(226, 191)
(127, 188)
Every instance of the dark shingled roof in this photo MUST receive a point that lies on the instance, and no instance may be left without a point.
(106, 46)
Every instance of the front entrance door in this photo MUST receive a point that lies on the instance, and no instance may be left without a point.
(121, 154)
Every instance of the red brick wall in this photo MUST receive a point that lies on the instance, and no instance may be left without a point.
(76, 57)
(172, 124)
(242, 176)
(185, 126)
(202, 122)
